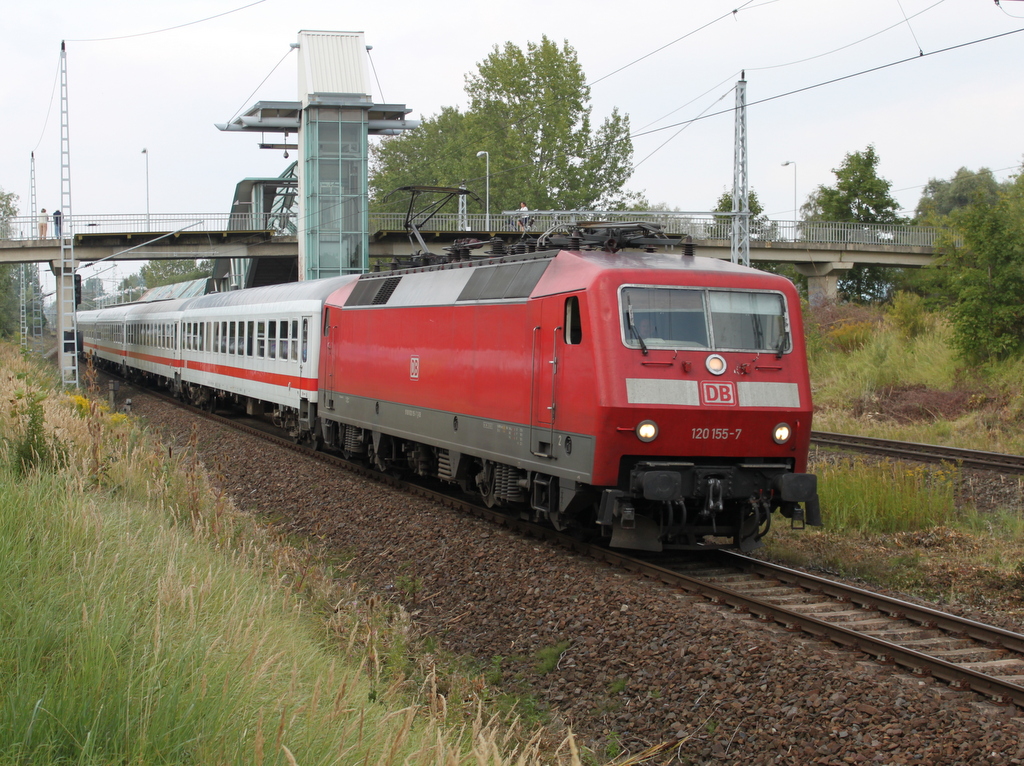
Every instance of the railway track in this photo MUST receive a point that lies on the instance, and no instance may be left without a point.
(929, 453)
(967, 655)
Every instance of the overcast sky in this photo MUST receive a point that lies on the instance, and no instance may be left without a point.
(926, 117)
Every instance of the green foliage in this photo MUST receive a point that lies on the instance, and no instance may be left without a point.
(884, 497)
(987, 277)
(157, 273)
(547, 658)
(530, 110)
(908, 315)
(32, 447)
(967, 187)
(851, 336)
(761, 228)
(8, 210)
(860, 195)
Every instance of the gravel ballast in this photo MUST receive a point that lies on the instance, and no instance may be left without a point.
(643, 664)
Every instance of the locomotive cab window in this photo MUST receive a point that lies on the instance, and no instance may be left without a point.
(664, 318)
(727, 320)
(573, 323)
(746, 320)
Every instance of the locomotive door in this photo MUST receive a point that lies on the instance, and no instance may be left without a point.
(547, 328)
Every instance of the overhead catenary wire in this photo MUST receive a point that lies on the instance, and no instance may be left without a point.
(165, 29)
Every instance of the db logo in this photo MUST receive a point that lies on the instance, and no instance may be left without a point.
(414, 367)
(715, 392)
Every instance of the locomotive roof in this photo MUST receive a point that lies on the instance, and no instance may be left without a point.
(519, 277)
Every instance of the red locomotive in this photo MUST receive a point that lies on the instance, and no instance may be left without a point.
(664, 398)
(660, 400)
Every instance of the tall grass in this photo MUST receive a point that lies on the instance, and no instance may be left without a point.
(143, 620)
(867, 496)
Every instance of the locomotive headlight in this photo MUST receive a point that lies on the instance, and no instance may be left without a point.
(715, 364)
(781, 433)
(647, 431)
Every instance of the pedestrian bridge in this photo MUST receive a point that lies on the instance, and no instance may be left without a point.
(818, 249)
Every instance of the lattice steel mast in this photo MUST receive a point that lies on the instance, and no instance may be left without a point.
(67, 329)
(740, 181)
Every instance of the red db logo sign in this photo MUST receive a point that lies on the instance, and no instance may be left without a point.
(718, 392)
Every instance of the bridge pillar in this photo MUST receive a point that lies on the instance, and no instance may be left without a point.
(822, 280)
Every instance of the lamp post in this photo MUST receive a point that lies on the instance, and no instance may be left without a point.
(487, 193)
(146, 152)
(795, 209)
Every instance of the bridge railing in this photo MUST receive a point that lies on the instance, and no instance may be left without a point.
(700, 226)
(26, 227)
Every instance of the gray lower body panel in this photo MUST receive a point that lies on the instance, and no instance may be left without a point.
(553, 452)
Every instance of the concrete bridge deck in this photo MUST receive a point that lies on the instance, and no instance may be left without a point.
(819, 250)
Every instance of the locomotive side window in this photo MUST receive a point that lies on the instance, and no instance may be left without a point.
(573, 324)
(748, 321)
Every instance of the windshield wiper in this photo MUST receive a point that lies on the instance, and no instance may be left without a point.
(782, 344)
(632, 326)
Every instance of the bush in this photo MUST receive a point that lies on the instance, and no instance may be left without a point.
(908, 315)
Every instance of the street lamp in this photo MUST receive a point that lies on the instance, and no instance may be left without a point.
(795, 209)
(146, 152)
(487, 194)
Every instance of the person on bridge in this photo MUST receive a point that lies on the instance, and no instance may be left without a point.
(44, 221)
(56, 223)
(524, 216)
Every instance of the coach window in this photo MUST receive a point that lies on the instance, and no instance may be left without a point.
(573, 324)
(241, 338)
(272, 340)
(261, 339)
(284, 340)
(305, 338)
(223, 337)
(231, 337)
(248, 339)
(295, 339)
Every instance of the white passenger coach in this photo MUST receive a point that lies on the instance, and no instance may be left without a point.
(255, 347)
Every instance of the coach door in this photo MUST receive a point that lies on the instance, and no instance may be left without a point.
(307, 362)
(547, 328)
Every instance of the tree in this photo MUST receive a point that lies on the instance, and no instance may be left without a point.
(859, 196)
(761, 227)
(157, 273)
(10, 294)
(987, 276)
(8, 210)
(530, 110)
(942, 197)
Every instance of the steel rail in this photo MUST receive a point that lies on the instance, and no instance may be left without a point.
(996, 461)
(883, 651)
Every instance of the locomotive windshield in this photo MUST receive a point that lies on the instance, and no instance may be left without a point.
(725, 320)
